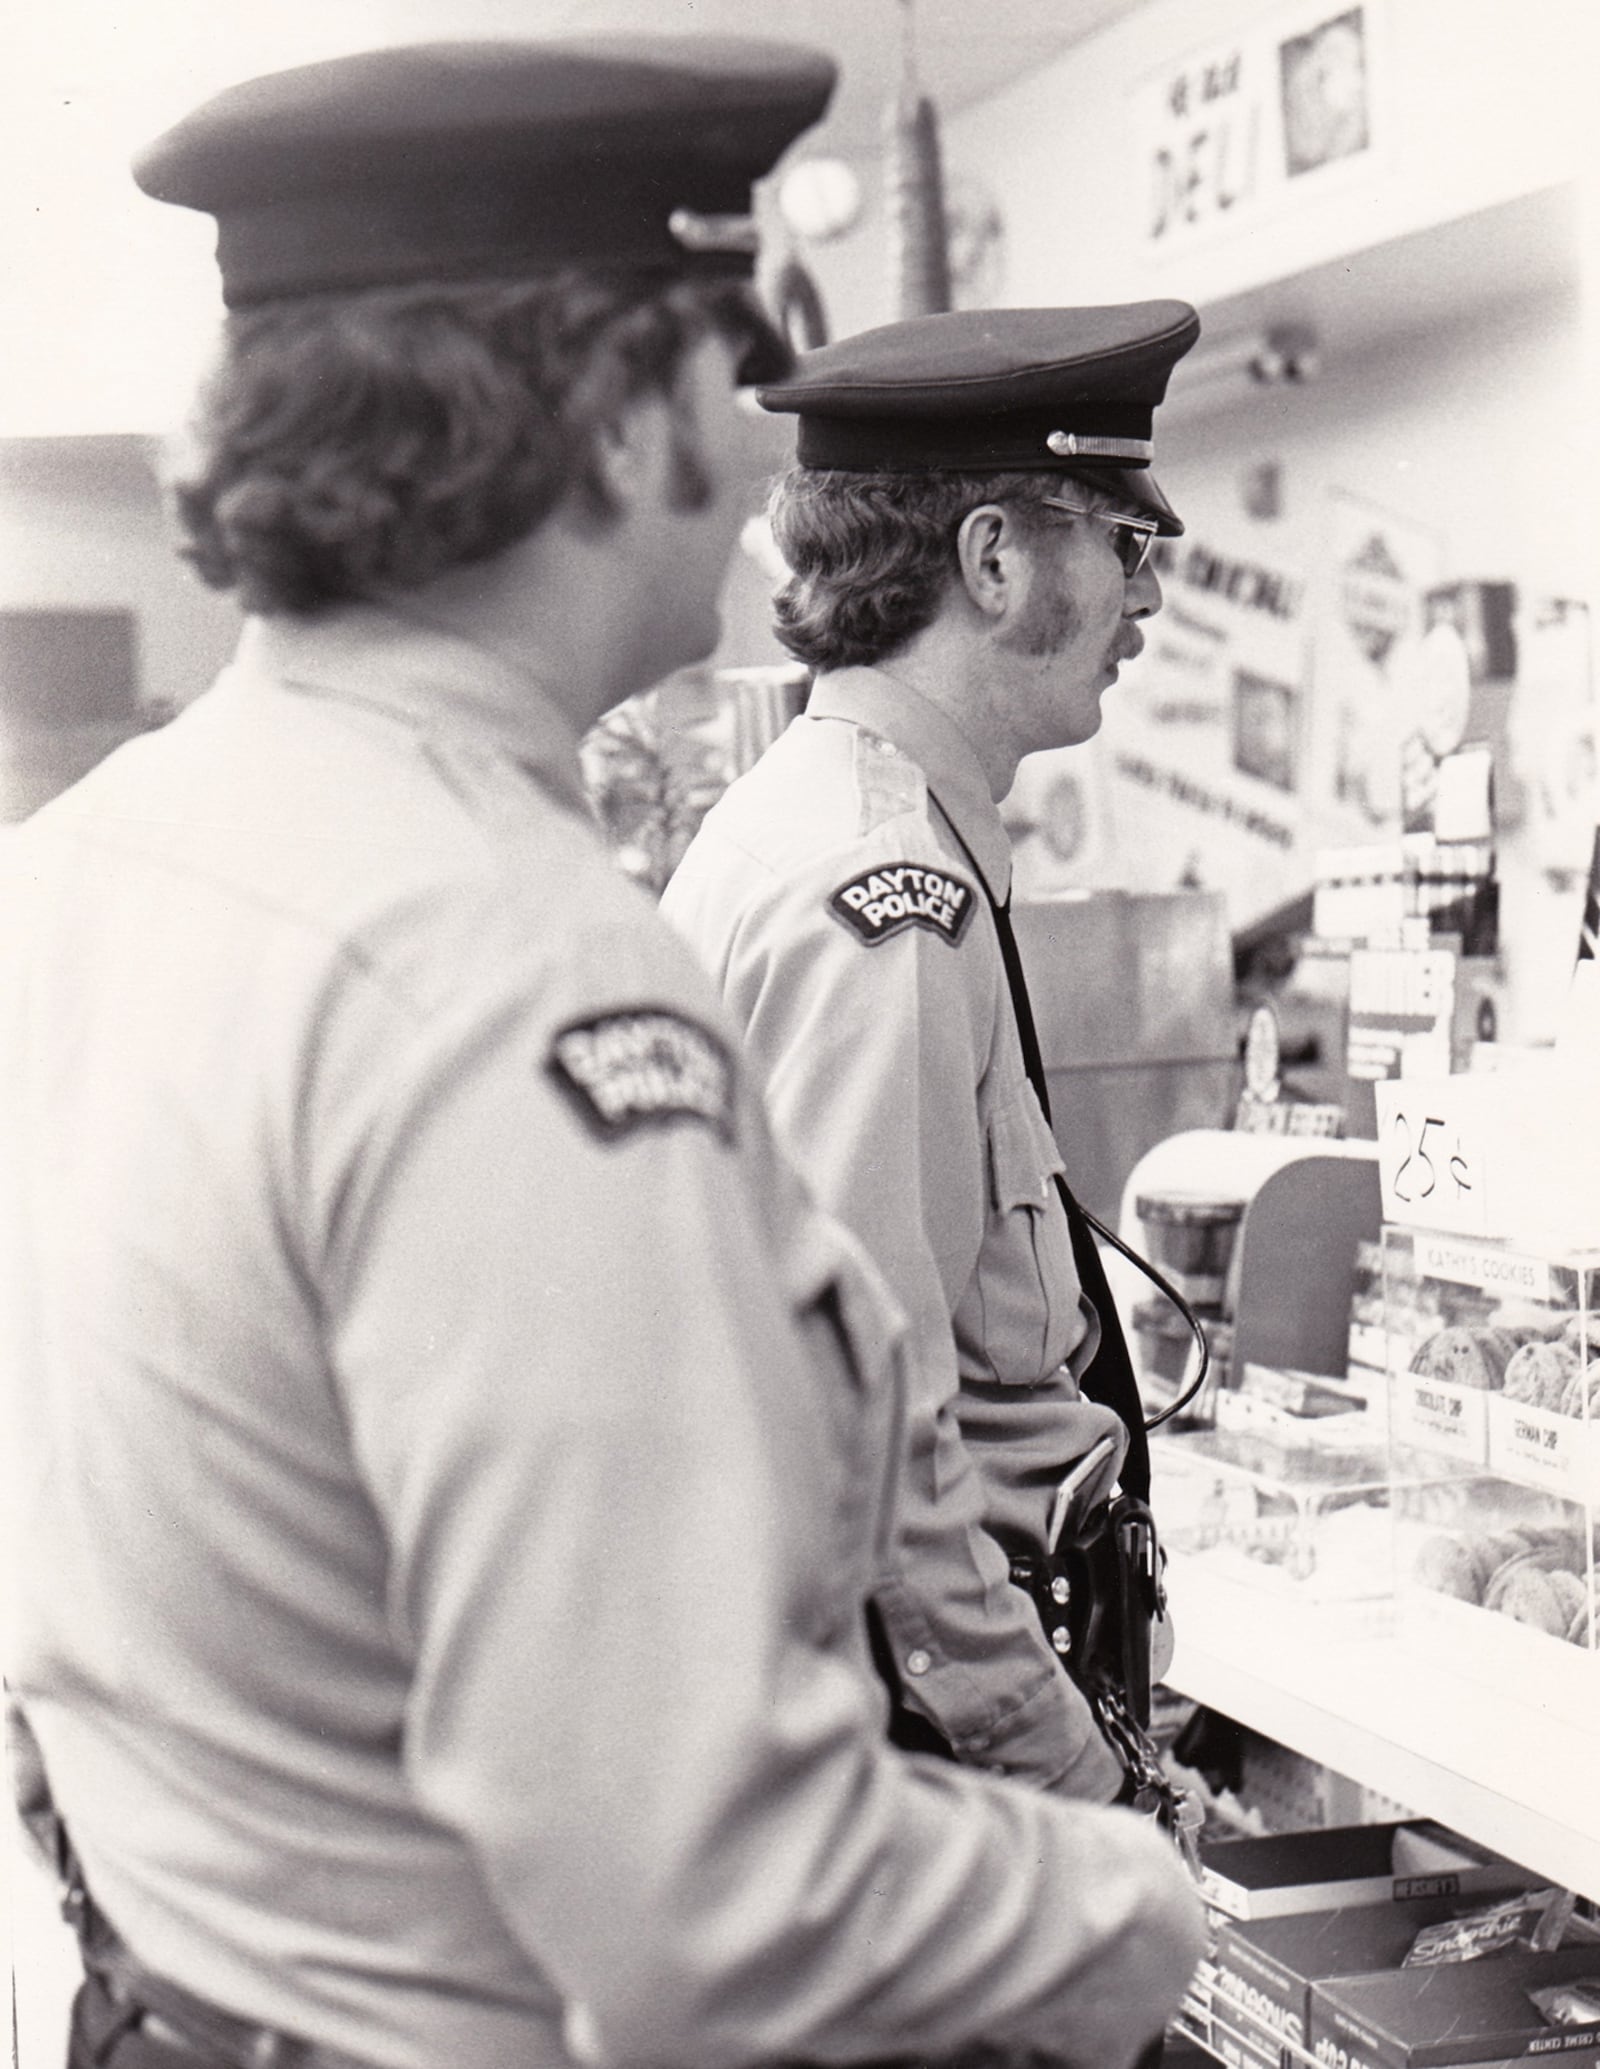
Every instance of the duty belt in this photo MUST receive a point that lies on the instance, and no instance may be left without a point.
(171, 2015)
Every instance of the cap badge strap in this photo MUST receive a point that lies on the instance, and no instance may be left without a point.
(1078, 445)
(711, 233)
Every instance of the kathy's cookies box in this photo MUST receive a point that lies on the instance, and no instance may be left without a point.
(1494, 1357)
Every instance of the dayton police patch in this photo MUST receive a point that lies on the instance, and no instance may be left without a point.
(646, 1065)
(897, 895)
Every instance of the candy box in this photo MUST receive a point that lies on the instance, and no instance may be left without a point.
(1426, 2018)
(1344, 1865)
(1265, 1969)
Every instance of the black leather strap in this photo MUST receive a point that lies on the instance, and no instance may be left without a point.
(1109, 1377)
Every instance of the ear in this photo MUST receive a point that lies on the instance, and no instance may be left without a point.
(632, 453)
(986, 547)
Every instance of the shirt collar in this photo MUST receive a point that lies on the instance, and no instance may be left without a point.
(440, 681)
(933, 740)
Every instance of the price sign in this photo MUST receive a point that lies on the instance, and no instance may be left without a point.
(1433, 1155)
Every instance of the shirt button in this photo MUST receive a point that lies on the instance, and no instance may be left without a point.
(918, 1662)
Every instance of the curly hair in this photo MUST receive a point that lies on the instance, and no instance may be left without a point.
(870, 556)
(347, 447)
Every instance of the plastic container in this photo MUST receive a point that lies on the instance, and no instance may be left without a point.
(1167, 1358)
(1190, 1237)
(1302, 1519)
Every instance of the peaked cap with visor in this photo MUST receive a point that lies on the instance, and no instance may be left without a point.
(994, 391)
(489, 161)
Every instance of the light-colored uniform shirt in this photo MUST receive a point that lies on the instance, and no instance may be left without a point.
(837, 895)
(452, 1455)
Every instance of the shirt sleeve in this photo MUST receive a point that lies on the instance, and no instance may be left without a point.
(871, 1055)
(580, 1365)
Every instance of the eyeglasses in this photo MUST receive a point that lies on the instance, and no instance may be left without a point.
(1131, 537)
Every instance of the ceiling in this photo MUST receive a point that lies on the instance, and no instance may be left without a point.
(961, 51)
(167, 54)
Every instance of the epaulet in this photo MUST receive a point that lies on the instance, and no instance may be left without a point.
(888, 783)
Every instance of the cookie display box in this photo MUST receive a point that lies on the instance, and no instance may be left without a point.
(1495, 1437)
(1299, 1516)
(1494, 1356)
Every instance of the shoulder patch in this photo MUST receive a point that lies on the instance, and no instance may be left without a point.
(644, 1066)
(896, 895)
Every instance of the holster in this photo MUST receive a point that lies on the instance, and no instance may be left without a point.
(1097, 1594)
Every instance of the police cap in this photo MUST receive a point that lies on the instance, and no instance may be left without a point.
(489, 160)
(991, 391)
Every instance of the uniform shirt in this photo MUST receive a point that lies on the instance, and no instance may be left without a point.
(837, 895)
(452, 1454)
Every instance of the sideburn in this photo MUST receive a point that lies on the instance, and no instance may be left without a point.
(1049, 619)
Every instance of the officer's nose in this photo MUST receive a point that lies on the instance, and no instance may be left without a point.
(1143, 597)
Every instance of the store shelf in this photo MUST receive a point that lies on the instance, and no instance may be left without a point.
(1505, 1772)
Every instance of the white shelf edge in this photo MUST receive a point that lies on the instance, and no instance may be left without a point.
(1505, 1773)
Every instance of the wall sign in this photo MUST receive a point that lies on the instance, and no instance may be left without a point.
(1203, 746)
(1375, 566)
(1402, 1010)
(1240, 127)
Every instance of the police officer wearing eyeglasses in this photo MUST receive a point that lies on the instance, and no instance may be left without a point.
(967, 530)
(452, 1454)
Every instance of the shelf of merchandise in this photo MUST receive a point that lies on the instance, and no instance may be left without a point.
(1356, 1698)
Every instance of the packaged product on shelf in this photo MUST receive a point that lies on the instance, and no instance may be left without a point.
(1569, 2004)
(1303, 1517)
(1190, 1237)
(1280, 1397)
(1336, 1866)
(1537, 1918)
(1264, 1970)
(1368, 1366)
(1167, 1361)
(1495, 1357)
(1476, 2011)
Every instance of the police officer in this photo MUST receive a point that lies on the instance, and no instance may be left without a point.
(967, 529)
(453, 1453)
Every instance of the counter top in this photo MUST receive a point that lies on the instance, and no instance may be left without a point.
(1514, 1774)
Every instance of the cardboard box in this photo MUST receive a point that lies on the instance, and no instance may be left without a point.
(1426, 2018)
(1340, 1865)
(1265, 1969)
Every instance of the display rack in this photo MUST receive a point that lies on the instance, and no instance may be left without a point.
(1512, 1776)
(1340, 1683)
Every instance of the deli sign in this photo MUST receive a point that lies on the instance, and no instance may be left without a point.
(1244, 124)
